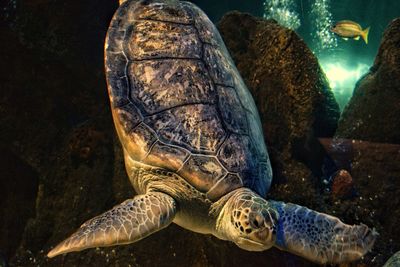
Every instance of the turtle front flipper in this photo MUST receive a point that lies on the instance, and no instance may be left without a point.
(320, 237)
(126, 223)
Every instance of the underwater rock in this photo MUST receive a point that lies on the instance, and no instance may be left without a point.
(337, 167)
(284, 76)
(340, 151)
(375, 170)
(291, 91)
(18, 184)
(83, 143)
(373, 111)
(342, 185)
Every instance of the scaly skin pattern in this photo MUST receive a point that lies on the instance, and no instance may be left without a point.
(247, 220)
(256, 224)
(393, 261)
(320, 237)
(127, 222)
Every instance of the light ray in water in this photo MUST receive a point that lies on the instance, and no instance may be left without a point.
(342, 78)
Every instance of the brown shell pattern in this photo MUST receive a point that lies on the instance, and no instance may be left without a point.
(178, 100)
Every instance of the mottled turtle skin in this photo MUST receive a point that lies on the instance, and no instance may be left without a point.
(393, 261)
(193, 145)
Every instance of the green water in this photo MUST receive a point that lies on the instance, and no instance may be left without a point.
(344, 62)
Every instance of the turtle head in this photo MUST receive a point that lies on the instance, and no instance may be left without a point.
(249, 221)
(256, 224)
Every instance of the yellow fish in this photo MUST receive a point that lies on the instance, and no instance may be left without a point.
(350, 29)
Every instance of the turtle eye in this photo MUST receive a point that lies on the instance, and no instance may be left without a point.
(270, 218)
(256, 220)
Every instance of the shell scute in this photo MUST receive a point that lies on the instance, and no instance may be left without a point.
(196, 127)
(118, 90)
(237, 155)
(256, 136)
(157, 39)
(116, 39)
(162, 85)
(167, 156)
(165, 11)
(234, 117)
(225, 185)
(203, 25)
(116, 64)
(218, 65)
(140, 140)
(128, 116)
(202, 171)
(117, 81)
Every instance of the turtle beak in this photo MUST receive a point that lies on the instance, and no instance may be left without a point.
(250, 245)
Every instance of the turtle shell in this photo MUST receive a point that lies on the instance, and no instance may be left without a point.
(178, 101)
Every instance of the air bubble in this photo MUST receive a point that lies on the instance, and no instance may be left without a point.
(283, 11)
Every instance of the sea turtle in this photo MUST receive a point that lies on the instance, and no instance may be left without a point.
(193, 144)
(393, 261)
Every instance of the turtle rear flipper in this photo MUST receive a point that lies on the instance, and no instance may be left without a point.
(126, 223)
(320, 237)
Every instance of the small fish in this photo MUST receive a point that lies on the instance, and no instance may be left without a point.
(350, 29)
